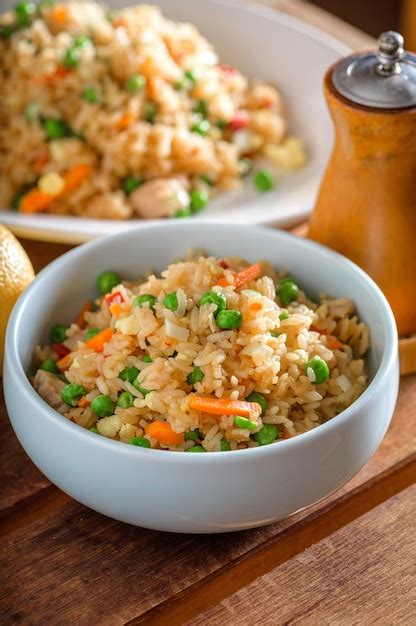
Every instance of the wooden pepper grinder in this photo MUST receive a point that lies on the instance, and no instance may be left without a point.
(366, 207)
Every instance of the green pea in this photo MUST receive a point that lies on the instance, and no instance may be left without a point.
(32, 112)
(196, 376)
(134, 84)
(196, 448)
(210, 297)
(192, 435)
(49, 365)
(129, 373)
(221, 124)
(319, 368)
(190, 75)
(229, 319)
(81, 40)
(91, 332)
(71, 393)
(106, 281)
(246, 165)
(16, 200)
(287, 292)
(90, 94)
(7, 30)
(201, 128)
(171, 301)
(131, 183)
(224, 446)
(94, 430)
(150, 112)
(201, 107)
(147, 359)
(58, 333)
(284, 316)
(71, 58)
(263, 180)
(142, 390)
(103, 406)
(254, 396)
(24, 12)
(145, 297)
(55, 129)
(243, 422)
(266, 435)
(183, 213)
(199, 200)
(142, 442)
(125, 400)
(206, 179)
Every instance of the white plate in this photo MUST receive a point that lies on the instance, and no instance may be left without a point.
(262, 43)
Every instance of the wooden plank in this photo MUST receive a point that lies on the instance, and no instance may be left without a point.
(363, 574)
(74, 557)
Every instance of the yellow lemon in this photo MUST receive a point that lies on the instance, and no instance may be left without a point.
(16, 272)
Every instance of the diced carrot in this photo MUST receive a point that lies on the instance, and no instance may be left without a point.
(245, 276)
(333, 343)
(115, 309)
(315, 329)
(83, 402)
(80, 321)
(98, 342)
(35, 201)
(75, 176)
(255, 306)
(164, 433)
(59, 72)
(125, 120)
(65, 362)
(60, 14)
(224, 406)
(40, 161)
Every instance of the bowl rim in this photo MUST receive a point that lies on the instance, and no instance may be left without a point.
(21, 310)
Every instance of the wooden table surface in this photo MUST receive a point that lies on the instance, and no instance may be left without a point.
(348, 560)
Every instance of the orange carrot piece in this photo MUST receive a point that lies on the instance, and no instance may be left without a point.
(164, 433)
(255, 306)
(115, 309)
(59, 72)
(98, 341)
(80, 321)
(245, 276)
(75, 176)
(333, 343)
(125, 120)
(315, 329)
(224, 406)
(60, 14)
(40, 161)
(83, 402)
(35, 201)
(65, 362)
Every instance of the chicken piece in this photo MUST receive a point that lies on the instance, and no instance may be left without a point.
(111, 206)
(49, 388)
(161, 197)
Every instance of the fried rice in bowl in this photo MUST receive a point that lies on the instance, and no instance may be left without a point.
(275, 355)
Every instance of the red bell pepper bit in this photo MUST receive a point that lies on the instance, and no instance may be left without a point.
(60, 349)
(116, 296)
(223, 264)
(227, 69)
(240, 120)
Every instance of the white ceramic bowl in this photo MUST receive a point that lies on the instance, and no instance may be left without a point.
(199, 493)
(263, 43)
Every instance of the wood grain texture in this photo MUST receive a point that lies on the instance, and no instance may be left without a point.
(363, 574)
(62, 559)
